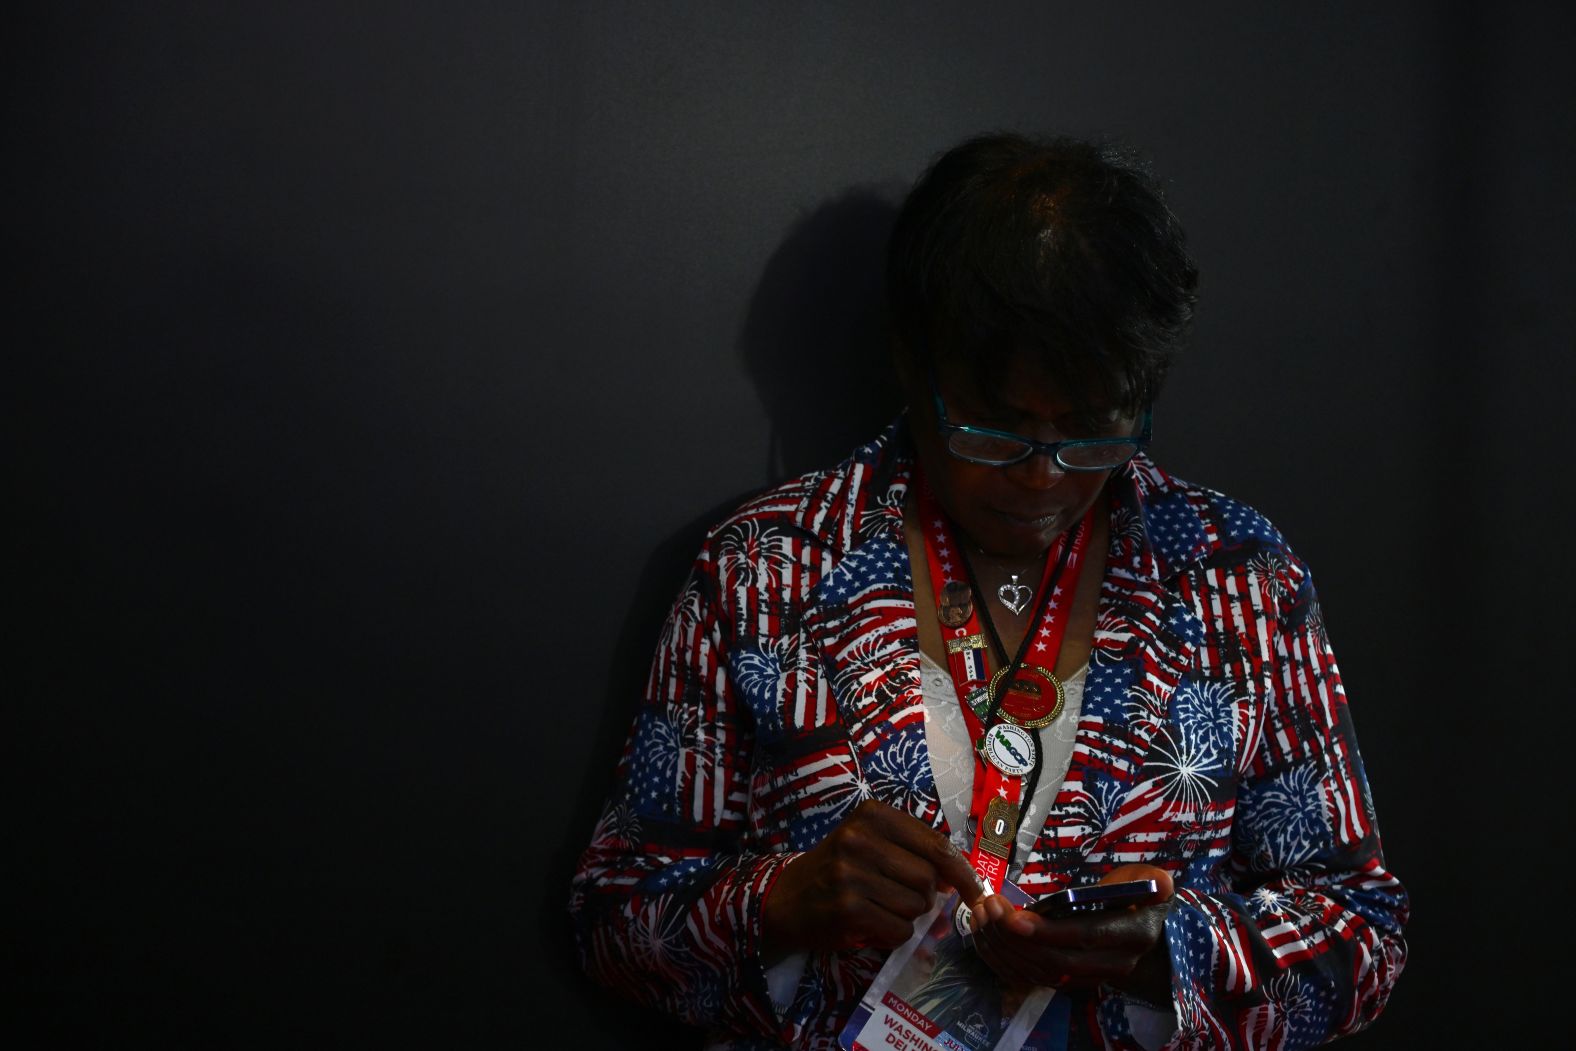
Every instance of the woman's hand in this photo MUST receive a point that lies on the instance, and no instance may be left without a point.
(864, 885)
(1122, 947)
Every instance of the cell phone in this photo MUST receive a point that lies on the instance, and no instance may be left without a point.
(1096, 897)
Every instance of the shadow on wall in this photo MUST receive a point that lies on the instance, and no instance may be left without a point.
(815, 341)
(814, 345)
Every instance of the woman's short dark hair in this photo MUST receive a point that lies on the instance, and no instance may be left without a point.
(1058, 247)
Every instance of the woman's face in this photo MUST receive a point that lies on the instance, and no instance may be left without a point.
(1018, 510)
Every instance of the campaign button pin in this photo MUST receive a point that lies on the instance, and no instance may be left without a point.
(1009, 749)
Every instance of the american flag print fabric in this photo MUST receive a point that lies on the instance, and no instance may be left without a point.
(1214, 742)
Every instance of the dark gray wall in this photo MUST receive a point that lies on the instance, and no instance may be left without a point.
(380, 372)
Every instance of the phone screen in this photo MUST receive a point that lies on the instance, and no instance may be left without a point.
(1096, 897)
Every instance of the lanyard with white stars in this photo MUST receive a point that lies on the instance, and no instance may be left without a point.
(1001, 710)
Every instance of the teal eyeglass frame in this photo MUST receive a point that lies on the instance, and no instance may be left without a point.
(1032, 447)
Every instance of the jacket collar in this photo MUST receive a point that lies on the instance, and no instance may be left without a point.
(862, 497)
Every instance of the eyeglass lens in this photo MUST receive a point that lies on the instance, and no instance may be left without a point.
(993, 449)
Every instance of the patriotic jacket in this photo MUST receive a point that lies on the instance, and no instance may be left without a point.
(1214, 742)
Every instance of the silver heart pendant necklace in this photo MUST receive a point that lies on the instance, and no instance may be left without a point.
(1015, 596)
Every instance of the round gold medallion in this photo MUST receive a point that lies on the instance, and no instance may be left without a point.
(1024, 702)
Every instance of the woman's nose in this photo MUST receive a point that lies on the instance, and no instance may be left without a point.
(1040, 471)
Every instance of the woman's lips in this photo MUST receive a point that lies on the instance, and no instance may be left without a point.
(1030, 519)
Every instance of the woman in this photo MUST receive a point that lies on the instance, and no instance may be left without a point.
(1000, 643)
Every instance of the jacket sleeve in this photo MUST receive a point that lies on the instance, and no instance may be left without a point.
(667, 899)
(1300, 940)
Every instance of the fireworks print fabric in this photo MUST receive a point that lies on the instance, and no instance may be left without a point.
(1214, 742)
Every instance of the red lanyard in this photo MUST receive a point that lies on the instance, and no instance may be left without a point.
(1000, 710)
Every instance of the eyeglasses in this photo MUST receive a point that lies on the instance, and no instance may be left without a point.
(1000, 448)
